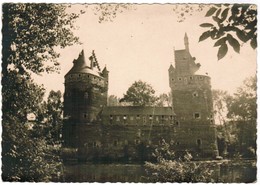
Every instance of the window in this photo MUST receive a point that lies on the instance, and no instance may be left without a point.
(201, 78)
(144, 119)
(115, 143)
(197, 115)
(199, 142)
(177, 143)
(138, 117)
(85, 115)
(118, 118)
(124, 117)
(162, 117)
(86, 95)
(173, 79)
(195, 94)
(131, 118)
(150, 117)
(211, 121)
(79, 75)
(180, 78)
(185, 80)
(111, 117)
(177, 123)
(191, 77)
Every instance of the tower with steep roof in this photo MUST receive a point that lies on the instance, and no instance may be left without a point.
(192, 104)
(86, 89)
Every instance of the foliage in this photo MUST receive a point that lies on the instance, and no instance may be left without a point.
(220, 101)
(50, 113)
(238, 115)
(172, 168)
(112, 100)
(31, 32)
(26, 156)
(183, 10)
(20, 96)
(164, 100)
(108, 12)
(233, 24)
(140, 94)
(243, 105)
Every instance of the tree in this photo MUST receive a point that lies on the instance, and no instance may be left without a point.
(140, 94)
(243, 105)
(164, 100)
(51, 115)
(113, 100)
(220, 101)
(174, 168)
(243, 110)
(108, 12)
(238, 115)
(26, 155)
(233, 24)
(31, 35)
(31, 32)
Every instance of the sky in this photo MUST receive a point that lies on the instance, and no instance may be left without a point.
(139, 45)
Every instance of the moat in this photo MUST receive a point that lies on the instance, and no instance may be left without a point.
(226, 171)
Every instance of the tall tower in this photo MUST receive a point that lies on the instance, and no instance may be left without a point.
(85, 90)
(192, 104)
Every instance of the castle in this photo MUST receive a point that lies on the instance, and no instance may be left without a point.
(99, 131)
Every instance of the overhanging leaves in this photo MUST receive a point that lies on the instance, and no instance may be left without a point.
(204, 36)
(211, 11)
(224, 14)
(220, 42)
(222, 51)
(206, 25)
(234, 43)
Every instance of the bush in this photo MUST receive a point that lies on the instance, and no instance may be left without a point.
(172, 168)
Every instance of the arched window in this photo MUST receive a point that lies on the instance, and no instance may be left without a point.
(199, 142)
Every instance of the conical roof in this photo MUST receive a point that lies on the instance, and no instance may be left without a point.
(80, 66)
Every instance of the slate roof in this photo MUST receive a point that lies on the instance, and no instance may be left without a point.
(80, 66)
(137, 110)
(180, 54)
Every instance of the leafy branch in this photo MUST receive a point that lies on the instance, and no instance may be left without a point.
(232, 25)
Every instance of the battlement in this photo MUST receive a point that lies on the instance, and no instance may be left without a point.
(87, 79)
(190, 81)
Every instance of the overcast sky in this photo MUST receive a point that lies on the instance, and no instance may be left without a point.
(139, 45)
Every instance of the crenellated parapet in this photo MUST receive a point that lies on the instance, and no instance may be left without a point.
(189, 81)
(88, 79)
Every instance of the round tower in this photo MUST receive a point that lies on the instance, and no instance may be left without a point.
(85, 90)
(192, 103)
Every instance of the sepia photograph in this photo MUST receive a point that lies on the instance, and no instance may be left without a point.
(129, 92)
